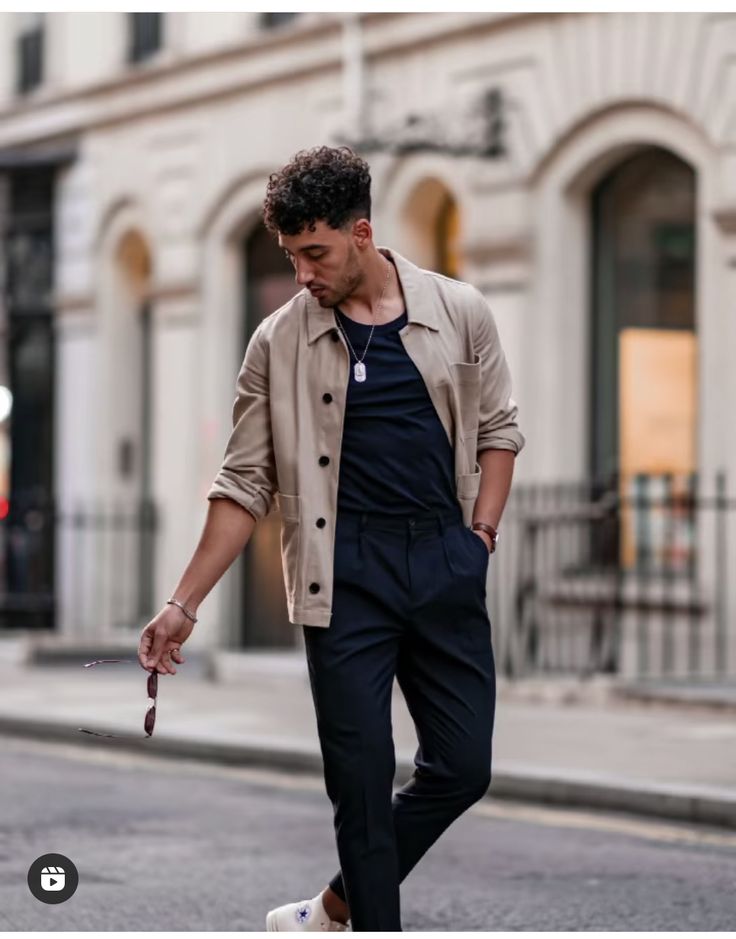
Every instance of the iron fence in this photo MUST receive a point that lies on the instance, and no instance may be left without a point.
(88, 568)
(627, 576)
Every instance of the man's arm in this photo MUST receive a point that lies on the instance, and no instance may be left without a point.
(248, 471)
(226, 532)
(499, 437)
(243, 490)
(241, 494)
(497, 420)
(497, 470)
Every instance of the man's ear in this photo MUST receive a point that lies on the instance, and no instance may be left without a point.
(362, 232)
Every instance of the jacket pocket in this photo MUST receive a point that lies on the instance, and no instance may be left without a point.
(467, 373)
(466, 378)
(291, 512)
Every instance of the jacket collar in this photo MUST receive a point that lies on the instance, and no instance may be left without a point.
(420, 300)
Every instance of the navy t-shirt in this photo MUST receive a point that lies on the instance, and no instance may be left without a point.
(396, 456)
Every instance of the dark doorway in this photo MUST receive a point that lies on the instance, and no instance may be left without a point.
(644, 344)
(643, 279)
(27, 535)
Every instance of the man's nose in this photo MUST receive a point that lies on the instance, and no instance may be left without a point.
(304, 276)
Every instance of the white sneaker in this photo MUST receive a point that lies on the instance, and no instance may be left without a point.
(304, 916)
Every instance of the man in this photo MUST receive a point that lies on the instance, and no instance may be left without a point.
(376, 404)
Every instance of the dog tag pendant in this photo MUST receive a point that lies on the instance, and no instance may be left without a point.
(359, 370)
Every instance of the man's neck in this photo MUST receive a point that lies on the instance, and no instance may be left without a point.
(363, 305)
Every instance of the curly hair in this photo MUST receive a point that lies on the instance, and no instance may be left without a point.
(330, 184)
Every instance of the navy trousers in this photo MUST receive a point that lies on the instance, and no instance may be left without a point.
(409, 602)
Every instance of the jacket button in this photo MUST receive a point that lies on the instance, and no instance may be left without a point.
(314, 588)
(335, 335)
(321, 523)
(327, 397)
(324, 460)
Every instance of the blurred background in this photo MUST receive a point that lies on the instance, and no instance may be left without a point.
(579, 169)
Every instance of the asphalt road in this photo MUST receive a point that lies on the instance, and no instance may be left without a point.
(179, 845)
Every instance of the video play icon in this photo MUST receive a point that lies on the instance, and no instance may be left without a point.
(52, 878)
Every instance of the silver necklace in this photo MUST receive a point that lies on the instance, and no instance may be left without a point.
(359, 367)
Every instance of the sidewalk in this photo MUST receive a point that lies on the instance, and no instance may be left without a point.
(567, 743)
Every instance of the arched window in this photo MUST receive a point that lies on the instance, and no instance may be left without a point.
(448, 238)
(432, 228)
(644, 352)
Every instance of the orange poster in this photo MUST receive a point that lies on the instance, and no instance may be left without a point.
(657, 411)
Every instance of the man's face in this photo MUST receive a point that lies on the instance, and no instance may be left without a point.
(327, 261)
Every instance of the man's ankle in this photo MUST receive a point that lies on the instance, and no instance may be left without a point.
(335, 907)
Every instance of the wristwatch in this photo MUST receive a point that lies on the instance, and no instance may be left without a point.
(484, 526)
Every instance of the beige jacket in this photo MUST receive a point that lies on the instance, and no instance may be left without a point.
(288, 416)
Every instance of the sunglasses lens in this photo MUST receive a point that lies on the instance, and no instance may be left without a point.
(152, 684)
(150, 720)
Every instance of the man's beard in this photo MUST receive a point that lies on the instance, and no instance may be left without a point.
(349, 284)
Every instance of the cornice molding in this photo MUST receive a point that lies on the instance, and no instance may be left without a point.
(104, 103)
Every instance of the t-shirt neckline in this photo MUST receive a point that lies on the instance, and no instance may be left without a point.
(380, 326)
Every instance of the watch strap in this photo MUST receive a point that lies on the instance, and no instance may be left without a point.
(484, 526)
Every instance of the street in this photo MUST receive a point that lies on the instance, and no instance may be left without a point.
(164, 844)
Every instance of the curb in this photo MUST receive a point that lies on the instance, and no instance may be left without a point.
(700, 698)
(708, 805)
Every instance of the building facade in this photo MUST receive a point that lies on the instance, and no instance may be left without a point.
(580, 169)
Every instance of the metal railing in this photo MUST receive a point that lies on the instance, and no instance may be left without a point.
(627, 576)
(89, 568)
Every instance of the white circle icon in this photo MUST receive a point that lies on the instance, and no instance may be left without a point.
(53, 878)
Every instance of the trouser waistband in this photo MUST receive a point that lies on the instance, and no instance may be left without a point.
(412, 522)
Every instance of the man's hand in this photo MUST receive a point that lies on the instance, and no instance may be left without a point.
(166, 632)
(485, 536)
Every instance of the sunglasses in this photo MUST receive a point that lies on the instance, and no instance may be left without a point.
(150, 718)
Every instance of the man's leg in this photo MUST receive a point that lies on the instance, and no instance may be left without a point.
(352, 696)
(446, 671)
(352, 664)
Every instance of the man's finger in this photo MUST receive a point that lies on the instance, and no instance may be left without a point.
(158, 654)
(144, 648)
(159, 641)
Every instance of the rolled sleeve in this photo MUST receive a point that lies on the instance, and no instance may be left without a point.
(497, 425)
(247, 474)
